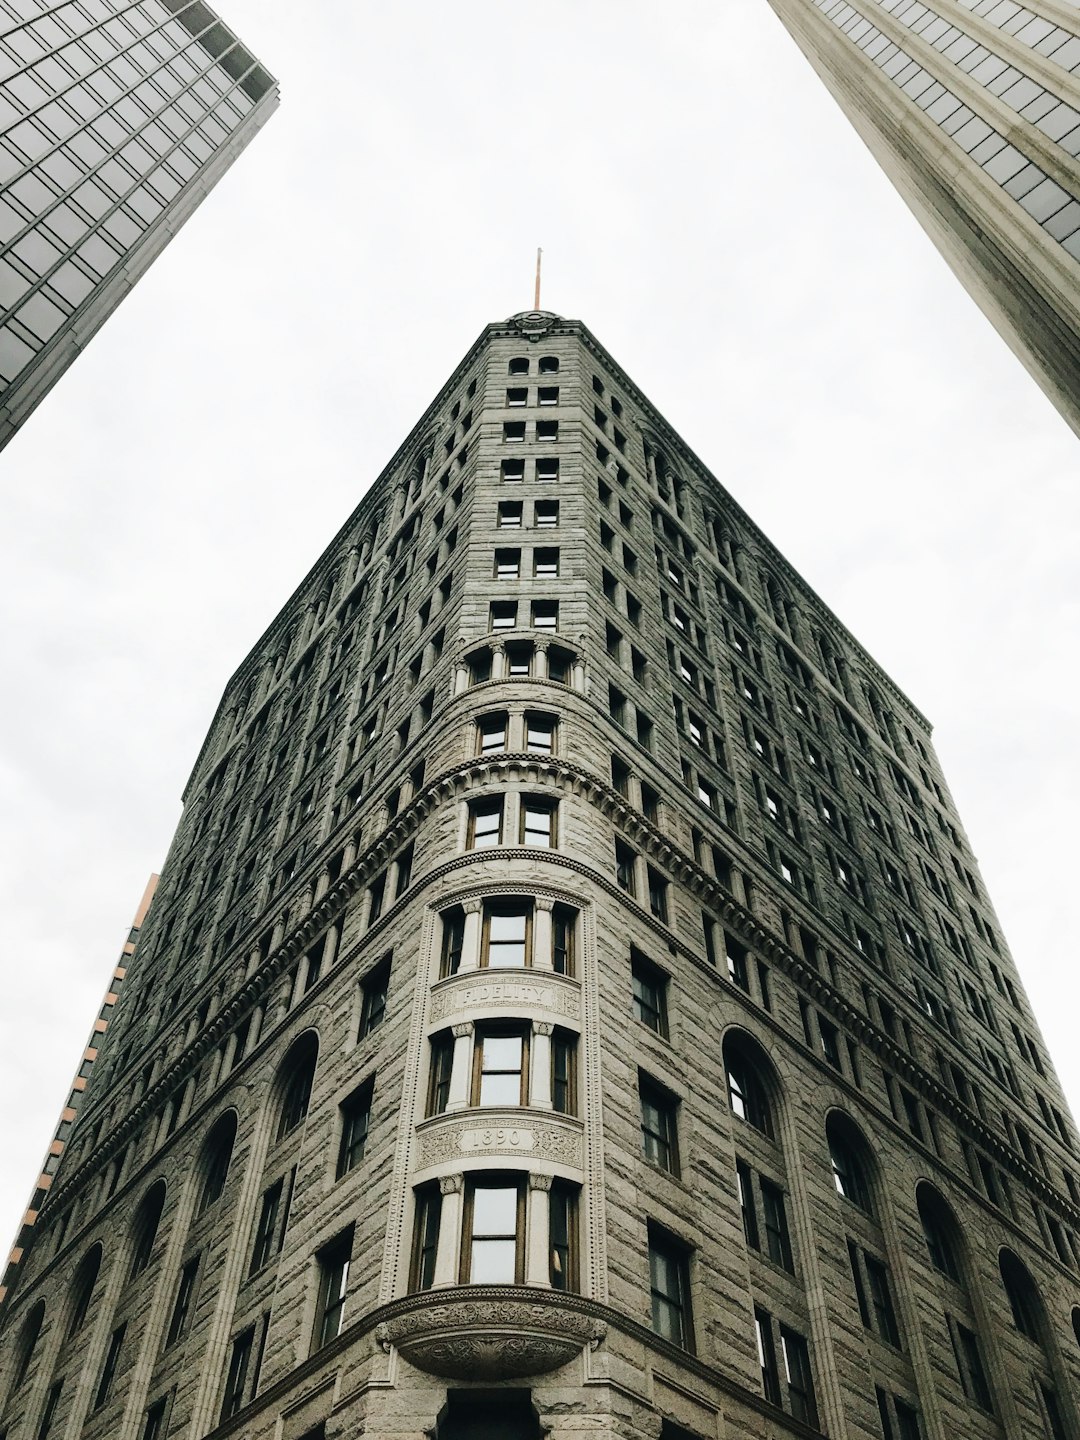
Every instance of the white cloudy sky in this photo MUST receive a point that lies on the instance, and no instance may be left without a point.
(706, 210)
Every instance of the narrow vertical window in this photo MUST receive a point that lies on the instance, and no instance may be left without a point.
(108, 1370)
(185, 1294)
(442, 1064)
(562, 1229)
(425, 1237)
(669, 1283)
(333, 1286)
(491, 1251)
(355, 1120)
(237, 1373)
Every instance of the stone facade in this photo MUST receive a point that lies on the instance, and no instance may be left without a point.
(569, 1004)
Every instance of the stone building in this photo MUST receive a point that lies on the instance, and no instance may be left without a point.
(116, 120)
(569, 1004)
(972, 108)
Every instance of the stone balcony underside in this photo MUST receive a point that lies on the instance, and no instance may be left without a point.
(489, 1332)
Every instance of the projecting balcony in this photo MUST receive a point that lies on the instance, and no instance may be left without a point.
(490, 1332)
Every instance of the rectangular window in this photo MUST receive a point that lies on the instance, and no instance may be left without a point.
(744, 1182)
(545, 614)
(156, 1416)
(546, 564)
(625, 864)
(507, 940)
(659, 1133)
(540, 734)
(513, 471)
(355, 1122)
(333, 1264)
(491, 734)
(800, 1384)
(969, 1364)
(736, 957)
(501, 1068)
(185, 1294)
(108, 1370)
(774, 1224)
(548, 395)
(538, 824)
(547, 470)
(507, 565)
(669, 1284)
(485, 824)
(425, 1238)
(546, 514)
(237, 1373)
(650, 994)
(453, 938)
(563, 938)
(509, 514)
(562, 1230)
(658, 895)
(766, 1348)
(547, 430)
(491, 1251)
(563, 1076)
(518, 395)
(881, 1300)
(442, 1064)
(373, 1003)
(266, 1243)
(514, 431)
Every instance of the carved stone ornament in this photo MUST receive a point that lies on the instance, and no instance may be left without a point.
(489, 1339)
(531, 989)
(533, 323)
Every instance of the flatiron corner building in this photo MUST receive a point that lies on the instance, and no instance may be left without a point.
(116, 120)
(972, 108)
(569, 1005)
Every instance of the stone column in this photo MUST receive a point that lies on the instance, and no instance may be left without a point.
(461, 679)
(498, 660)
(470, 940)
(458, 1097)
(542, 934)
(542, 659)
(540, 1066)
(578, 676)
(446, 1255)
(538, 1232)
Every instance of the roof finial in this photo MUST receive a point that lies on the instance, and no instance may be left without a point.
(536, 293)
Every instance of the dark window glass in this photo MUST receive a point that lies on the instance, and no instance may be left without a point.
(185, 1294)
(373, 1007)
(426, 1237)
(333, 1285)
(355, 1119)
(659, 1135)
(669, 1283)
(237, 1373)
(562, 1229)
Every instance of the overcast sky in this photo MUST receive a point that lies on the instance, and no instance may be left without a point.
(708, 212)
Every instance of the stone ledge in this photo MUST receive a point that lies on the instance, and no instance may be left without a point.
(489, 1332)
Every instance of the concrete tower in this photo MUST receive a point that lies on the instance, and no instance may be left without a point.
(972, 108)
(116, 119)
(569, 1004)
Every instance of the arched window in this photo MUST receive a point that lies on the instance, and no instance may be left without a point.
(297, 1076)
(1024, 1300)
(851, 1164)
(216, 1159)
(28, 1338)
(943, 1239)
(145, 1228)
(82, 1289)
(748, 1093)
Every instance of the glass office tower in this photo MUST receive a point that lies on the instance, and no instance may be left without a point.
(972, 107)
(115, 121)
(570, 1004)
